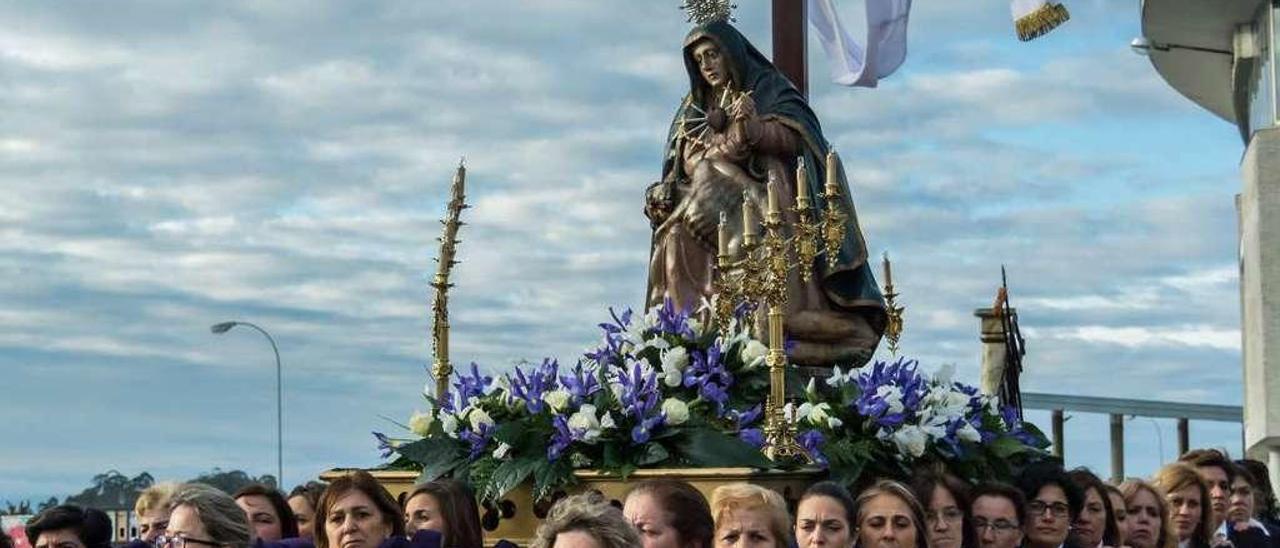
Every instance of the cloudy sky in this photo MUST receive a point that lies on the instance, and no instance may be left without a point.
(166, 166)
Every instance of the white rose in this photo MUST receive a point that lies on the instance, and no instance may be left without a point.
(677, 411)
(420, 423)
(558, 399)
(606, 421)
(753, 354)
(585, 421)
(501, 451)
(478, 417)
(676, 358)
(449, 423)
(910, 440)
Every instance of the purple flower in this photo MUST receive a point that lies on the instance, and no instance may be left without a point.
(582, 384)
(896, 406)
(753, 436)
(614, 336)
(674, 322)
(385, 445)
(640, 394)
(742, 419)
(561, 438)
(472, 386)
(642, 430)
(478, 439)
(531, 387)
(812, 442)
(707, 372)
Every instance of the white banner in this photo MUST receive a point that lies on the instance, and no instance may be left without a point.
(886, 41)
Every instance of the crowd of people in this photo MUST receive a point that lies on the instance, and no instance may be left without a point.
(1205, 500)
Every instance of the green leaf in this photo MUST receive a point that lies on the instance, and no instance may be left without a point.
(652, 453)
(706, 447)
(1006, 447)
(508, 475)
(548, 475)
(438, 456)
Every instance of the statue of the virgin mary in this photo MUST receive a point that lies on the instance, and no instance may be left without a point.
(757, 126)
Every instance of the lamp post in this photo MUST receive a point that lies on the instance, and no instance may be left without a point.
(224, 327)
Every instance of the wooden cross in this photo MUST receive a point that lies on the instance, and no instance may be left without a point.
(790, 41)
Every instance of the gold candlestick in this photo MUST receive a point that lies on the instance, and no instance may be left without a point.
(441, 369)
(893, 329)
(833, 222)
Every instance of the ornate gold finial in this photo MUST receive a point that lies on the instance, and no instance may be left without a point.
(706, 11)
(893, 330)
(441, 369)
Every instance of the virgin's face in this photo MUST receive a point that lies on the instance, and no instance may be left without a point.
(1144, 519)
(652, 521)
(746, 529)
(1092, 521)
(886, 523)
(1121, 514)
(1186, 507)
(304, 513)
(822, 521)
(945, 520)
(262, 517)
(423, 512)
(711, 63)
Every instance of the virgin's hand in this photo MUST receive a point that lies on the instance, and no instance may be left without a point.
(744, 108)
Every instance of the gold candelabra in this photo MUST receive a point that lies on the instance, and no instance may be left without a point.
(441, 369)
(893, 329)
(759, 273)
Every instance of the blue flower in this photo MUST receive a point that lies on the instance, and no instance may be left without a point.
(531, 387)
(743, 419)
(640, 395)
(900, 401)
(753, 436)
(385, 444)
(642, 430)
(478, 439)
(707, 372)
(614, 336)
(812, 442)
(561, 438)
(472, 386)
(674, 322)
(582, 384)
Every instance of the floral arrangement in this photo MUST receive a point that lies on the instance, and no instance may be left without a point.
(664, 390)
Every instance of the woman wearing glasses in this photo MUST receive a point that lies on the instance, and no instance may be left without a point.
(947, 516)
(1053, 503)
(201, 516)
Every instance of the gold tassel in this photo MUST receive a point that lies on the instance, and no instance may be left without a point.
(1038, 23)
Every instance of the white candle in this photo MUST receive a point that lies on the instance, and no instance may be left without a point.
(802, 186)
(724, 234)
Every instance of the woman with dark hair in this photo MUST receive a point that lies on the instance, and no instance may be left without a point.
(302, 501)
(69, 525)
(1119, 514)
(947, 512)
(1095, 525)
(825, 516)
(888, 515)
(268, 513)
(356, 512)
(1188, 500)
(669, 513)
(1053, 503)
(1266, 510)
(447, 506)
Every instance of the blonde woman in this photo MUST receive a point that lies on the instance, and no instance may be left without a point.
(1188, 499)
(586, 520)
(750, 516)
(1146, 516)
(888, 515)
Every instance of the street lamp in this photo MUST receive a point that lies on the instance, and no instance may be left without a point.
(220, 328)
